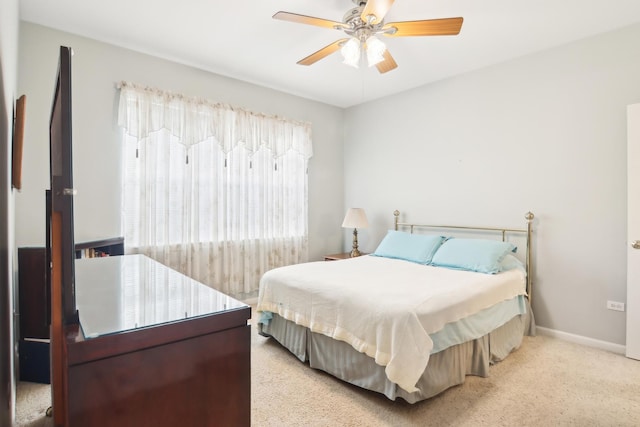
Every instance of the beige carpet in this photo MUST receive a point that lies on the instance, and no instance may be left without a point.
(547, 382)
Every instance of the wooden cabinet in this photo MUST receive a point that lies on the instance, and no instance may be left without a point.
(34, 303)
(335, 257)
(34, 295)
(155, 348)
(181, 375)
(99, 248)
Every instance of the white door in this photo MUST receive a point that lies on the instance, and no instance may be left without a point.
(633, 231)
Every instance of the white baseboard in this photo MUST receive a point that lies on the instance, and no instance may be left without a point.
(579, 339)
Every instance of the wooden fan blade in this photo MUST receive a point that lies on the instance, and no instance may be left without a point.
(429, 27)
(325, 51)
(375, 10)
(309, 20)
(388, 64)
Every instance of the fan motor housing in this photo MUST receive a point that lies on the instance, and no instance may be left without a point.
(352, 15)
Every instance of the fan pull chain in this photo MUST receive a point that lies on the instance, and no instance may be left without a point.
(362, 95)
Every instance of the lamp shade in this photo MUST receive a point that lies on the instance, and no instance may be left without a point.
(355, 218)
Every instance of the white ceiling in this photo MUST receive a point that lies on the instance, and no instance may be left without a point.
(239, 38)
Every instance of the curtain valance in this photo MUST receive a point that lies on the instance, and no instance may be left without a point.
(144, 110)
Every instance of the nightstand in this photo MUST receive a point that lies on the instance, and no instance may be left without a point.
(335, 257)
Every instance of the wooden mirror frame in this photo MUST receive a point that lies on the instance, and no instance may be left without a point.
(18, 141)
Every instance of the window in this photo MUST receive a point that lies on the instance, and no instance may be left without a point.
(216, 193)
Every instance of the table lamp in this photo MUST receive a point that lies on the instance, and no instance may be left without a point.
(355, 218)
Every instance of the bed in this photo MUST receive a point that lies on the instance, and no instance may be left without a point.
(412, 319)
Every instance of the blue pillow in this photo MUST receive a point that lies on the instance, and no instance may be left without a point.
(411, 247)
(484, 256)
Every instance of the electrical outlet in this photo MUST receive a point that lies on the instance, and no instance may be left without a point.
(615, 305)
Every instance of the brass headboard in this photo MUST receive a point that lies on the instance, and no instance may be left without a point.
(527, 231)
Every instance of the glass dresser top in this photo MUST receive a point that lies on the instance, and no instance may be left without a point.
(121, 293)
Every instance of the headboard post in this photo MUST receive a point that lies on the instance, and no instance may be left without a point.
(529, 217)
(396, 214)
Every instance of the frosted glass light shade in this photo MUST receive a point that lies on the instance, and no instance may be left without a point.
(351, 52)
(355, 218)
(375, 51)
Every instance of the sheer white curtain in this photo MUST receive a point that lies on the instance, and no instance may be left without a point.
(217, 193)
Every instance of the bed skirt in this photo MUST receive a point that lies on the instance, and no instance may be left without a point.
(445, 369)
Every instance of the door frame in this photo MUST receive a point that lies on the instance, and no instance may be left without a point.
(633, 231)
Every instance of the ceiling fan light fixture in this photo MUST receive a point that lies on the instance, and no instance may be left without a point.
(351, 52)
(362, 22)
(375, 51)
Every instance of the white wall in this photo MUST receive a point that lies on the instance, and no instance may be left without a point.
(8, 83)
(97, 67)
(545, 133)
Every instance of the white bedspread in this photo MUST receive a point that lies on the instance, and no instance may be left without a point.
(383, 307)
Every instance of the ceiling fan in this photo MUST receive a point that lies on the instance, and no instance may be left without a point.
(362, 24)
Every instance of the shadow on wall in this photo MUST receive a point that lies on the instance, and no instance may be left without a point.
(7, 384)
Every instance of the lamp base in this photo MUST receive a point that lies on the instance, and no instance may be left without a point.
(354, 251)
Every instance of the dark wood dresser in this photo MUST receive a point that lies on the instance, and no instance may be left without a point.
(155, 348)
